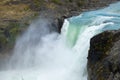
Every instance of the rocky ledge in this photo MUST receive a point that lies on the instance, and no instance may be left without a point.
(104, 56)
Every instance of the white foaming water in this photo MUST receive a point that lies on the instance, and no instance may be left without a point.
(40, 54)
(50, 58)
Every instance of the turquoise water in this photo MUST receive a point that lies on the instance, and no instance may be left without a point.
(78, 24)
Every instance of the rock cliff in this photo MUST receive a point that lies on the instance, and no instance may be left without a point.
(104, 56)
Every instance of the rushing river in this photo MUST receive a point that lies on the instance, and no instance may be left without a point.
(43, 55)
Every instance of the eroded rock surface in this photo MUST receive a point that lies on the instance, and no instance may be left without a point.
(104, 56)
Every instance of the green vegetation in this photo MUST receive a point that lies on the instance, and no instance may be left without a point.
(3, 40)
(14, 31)
(38, 3)
(14, 18)
(81, 3)
(59, 2)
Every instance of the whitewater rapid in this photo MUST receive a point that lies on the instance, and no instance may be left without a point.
(40, 54)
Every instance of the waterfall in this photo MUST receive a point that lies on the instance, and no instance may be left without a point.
(42, 54)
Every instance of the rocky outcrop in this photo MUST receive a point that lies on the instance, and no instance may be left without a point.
(104, 56)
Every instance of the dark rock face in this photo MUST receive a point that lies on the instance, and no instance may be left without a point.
(104, 56)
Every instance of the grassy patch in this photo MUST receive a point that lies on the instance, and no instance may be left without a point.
(2, 2)
(3, 39)
(14, 11)
(38, 3)
(59, 2)
(81, 3)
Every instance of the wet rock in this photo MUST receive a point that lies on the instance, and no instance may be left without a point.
(104, 56)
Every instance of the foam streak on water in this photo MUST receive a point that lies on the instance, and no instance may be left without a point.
(40, 54)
